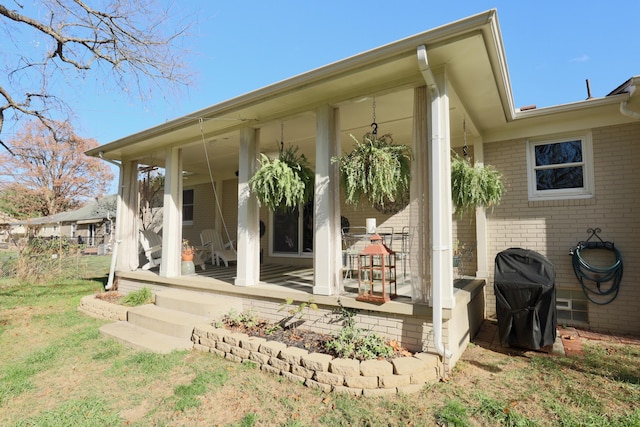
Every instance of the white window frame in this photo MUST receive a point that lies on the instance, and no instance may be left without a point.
(193, 206)
(588, 187)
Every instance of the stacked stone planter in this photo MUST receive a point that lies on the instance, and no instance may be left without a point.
(98, 309)
(321, 371)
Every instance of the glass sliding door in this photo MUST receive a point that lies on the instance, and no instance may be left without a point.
(293, 231)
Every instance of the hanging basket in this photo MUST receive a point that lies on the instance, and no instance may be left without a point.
(391, 208)
(378, 171)
(283, 183)
(473, 186)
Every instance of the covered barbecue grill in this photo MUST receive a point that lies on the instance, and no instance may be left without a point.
(524, 285)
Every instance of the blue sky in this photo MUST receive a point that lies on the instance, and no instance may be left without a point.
(551, 47)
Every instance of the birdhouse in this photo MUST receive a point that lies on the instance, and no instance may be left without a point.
(376, 272)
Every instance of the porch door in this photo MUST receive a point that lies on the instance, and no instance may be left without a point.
(293, 232)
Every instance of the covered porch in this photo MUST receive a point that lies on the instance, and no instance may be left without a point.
(433, 92)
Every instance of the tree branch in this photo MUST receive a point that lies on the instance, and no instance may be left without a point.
(127, 36)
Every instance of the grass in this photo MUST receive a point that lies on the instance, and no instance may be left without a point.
(139, 297)
(57, 370)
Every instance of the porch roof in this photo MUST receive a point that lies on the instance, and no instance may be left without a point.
(471, 49)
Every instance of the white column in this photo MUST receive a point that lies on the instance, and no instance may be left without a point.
(440, 194)
(248, 272)
(127, 220)
(326, 263)
(172, 214)
(481, 219)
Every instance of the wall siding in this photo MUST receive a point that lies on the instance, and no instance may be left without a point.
(553, 227)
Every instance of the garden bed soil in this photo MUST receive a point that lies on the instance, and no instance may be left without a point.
(314, 342)
(110, 296)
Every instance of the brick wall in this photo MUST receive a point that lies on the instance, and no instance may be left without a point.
(412, 332)
(552, 227)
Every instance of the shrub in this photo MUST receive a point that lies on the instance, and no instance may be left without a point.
(353, 342)
(248, 319)
(139, 297)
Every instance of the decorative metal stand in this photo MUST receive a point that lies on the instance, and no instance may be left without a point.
(376, 272)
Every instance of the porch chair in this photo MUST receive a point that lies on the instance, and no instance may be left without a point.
(354, 239)
(151, 243)
(216, 249)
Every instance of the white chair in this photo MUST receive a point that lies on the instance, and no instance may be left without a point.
(215, 247)
(354, 240)
(151, 243)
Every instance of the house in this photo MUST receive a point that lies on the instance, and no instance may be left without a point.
(6, 225)
(447, 88)
(90, 225)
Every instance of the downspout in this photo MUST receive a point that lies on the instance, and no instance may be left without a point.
(114, 251)
(439, 246)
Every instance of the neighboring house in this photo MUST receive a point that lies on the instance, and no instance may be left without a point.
(7, 223)
(437, 90)
(90, 225)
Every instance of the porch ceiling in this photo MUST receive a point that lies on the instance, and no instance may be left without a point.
(470, 52)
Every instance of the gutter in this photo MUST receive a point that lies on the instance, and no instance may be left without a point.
(115, 230)
(624, 108)
(439, 247)
(327, 72)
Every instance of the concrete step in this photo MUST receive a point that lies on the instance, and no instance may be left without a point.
(164, 320)
(198, 303)
(144, 339)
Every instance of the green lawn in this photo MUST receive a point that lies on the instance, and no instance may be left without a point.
(57, 370)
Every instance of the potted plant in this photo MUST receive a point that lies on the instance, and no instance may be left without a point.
(378, 171)
(457, 252)
(473, 186)
(187, 251)
(283, 183)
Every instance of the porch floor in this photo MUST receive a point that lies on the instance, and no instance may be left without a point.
(295, 278)
(285, 281)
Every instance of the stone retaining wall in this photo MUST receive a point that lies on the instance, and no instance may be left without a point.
(94, 307)
(321, 371)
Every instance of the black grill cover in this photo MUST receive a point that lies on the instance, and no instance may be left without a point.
(524, 284)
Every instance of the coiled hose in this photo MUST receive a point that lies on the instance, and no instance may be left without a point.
(588, 274)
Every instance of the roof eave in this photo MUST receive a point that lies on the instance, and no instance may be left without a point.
(353, 63)
(573, 106)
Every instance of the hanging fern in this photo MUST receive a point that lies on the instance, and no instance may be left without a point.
(377, 171)
(283, 183)
(473, 186)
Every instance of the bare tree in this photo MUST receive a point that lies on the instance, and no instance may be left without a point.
(49, 172)
(133, 44)
(151, 192)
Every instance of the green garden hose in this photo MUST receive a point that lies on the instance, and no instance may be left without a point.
(592, 278)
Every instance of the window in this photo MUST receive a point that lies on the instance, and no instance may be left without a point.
(293, 231)
(187, 207)
(560, 168)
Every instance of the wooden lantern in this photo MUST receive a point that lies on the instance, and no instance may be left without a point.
(376, 272)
